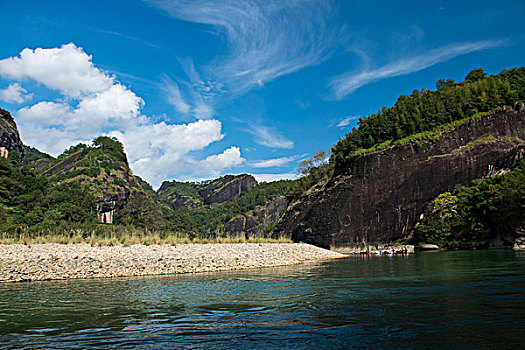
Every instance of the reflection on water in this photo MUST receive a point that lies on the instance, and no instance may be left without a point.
(429, 300)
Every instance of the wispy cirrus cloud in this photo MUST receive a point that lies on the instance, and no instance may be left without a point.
(269, 137)
(275, 162)
(346, 121)
(346, 83)
(192, 96)
(265, 39)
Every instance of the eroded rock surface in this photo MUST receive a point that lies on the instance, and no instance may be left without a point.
(378, 197)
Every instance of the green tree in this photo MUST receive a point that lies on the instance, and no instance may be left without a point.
(475, 75)
(441, 83)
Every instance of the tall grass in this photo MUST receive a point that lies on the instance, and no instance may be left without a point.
(124, 237)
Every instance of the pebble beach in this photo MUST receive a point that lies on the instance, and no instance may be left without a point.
(52, 261)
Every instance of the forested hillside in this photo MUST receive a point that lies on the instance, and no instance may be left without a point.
(424, 110)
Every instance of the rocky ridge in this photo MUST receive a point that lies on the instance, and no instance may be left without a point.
(194, 196)
(104, 173)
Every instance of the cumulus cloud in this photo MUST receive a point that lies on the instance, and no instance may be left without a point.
(275, 162)
(157, 150)
(15, 93)
(97, 104)
(67, 69)
(344, 84)
(266, 39)
(227, 159)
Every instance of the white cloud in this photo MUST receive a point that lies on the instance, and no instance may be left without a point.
(265, 136)
(174, 96)
(192, 101)
(346, 121)
(275, 162)
(150, 141)
(274, 177)
(227, 159)
(265, 38)
(67, 69)
(15, 93)
(347, 83)
(46, 113)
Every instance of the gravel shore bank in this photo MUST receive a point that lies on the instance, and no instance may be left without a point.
(61, 261)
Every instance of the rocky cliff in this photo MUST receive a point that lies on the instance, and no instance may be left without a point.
(194, 195)
(9, 136)
(259, 222)
(227, 188)
(377, 198)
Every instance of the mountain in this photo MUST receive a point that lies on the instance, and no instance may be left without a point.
(102, 169)
(230, 206)
(35, 158)
(382, 181)
(9, 137)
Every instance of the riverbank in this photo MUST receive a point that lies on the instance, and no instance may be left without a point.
(53, 261)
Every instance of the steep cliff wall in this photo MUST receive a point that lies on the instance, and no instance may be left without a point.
(9, 136)
(377, 198)
(227, 188)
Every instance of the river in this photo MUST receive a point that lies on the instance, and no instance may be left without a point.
(460, 300)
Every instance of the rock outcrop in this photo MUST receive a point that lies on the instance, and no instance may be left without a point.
(258, 222)
(194, 195)
(9, 136)
(227, 188)
(378, 197)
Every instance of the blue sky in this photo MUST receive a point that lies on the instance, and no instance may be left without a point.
(196, 89)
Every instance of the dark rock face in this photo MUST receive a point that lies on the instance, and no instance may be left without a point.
(9, 136)
(255, 222)
(378, 197)
(227, 188)
(109, 203)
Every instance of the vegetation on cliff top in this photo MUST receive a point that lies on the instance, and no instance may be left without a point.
(426, 110)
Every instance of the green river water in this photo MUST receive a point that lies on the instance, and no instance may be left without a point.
(440, 300)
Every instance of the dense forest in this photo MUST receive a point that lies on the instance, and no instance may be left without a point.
(424, 110)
